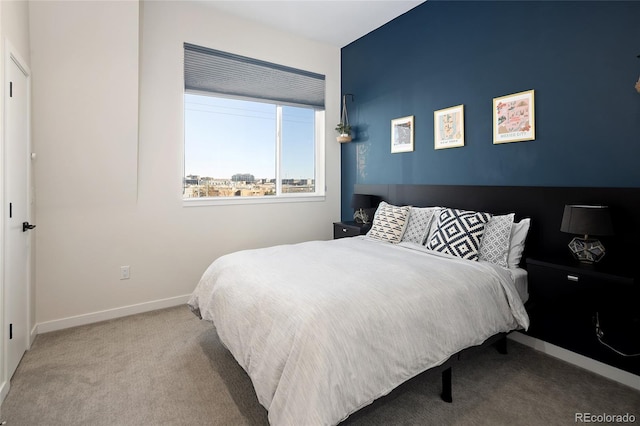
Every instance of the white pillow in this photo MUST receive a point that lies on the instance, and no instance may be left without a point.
(516, 246)
(419, 223)
(496, 240)
(389, 222)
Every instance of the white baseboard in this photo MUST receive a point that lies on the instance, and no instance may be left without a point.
(45, 327)
(32, 336)
(4, 391)
(592, 365)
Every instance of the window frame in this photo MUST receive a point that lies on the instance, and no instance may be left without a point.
(319, 163)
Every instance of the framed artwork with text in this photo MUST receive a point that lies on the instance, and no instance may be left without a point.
(448, 127)
(514, 118)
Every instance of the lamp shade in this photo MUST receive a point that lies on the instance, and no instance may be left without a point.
(361, 201)
(586, 220)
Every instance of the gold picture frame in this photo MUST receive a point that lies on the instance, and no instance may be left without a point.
(402, 134)
(514, 118)
(448, 127)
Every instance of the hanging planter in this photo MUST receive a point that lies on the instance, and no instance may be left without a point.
(343, 128)
(344, 136)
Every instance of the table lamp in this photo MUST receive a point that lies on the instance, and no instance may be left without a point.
(586, 220)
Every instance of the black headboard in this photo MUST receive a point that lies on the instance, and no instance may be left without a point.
(544, 205)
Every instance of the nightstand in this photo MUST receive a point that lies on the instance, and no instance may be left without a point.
(569, 302)
(349, 229)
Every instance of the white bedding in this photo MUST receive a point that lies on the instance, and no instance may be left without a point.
(323, 328)
(520, 279)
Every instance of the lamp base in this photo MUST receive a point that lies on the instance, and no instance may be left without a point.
(360, 216)
(587, 250)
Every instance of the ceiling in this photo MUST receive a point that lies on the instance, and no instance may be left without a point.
(335, 22)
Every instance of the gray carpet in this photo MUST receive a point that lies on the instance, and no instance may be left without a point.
(168, 367)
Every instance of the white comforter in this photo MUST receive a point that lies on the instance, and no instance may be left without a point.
(323, 328)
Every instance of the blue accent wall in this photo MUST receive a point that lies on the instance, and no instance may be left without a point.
(579, 57)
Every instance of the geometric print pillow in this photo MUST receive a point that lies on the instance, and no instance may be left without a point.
(459, 233)
(419, 224)
(494, 246)
(389, 222)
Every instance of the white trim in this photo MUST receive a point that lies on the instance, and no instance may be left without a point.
(321, 155)
(4, 391)
(33, 335)
(61, 324)
(592, 365)
(279, 150)
(224, 201)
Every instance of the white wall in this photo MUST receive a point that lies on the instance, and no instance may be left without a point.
(85, 135)
(107, 198)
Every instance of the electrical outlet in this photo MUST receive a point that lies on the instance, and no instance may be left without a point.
(124, 272)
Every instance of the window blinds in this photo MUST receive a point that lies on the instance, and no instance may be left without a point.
(214, 71)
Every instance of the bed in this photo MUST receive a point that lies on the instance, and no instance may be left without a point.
(323, 328)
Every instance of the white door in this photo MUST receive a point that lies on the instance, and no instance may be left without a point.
(17, 236)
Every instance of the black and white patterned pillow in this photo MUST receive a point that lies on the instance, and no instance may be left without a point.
(389, 222)
(494, 246)
(419, 223)
(459, 233)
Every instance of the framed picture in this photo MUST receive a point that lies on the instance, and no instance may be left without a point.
(514, 118)
(402, 134)
(448, 127)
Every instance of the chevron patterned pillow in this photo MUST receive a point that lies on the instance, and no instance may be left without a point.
(459, 233)
(389, 222)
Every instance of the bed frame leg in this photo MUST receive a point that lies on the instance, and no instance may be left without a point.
(446, 386)
(501, 345)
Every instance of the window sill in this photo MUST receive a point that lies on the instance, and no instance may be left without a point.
(225, 201)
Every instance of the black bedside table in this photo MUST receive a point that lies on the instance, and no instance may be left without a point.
(569, 300)
(349, 229)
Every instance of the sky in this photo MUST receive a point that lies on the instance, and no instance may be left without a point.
(224, 137)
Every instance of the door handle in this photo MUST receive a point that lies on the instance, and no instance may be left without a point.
(26, 226)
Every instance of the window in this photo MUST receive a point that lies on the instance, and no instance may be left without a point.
(253, 130)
